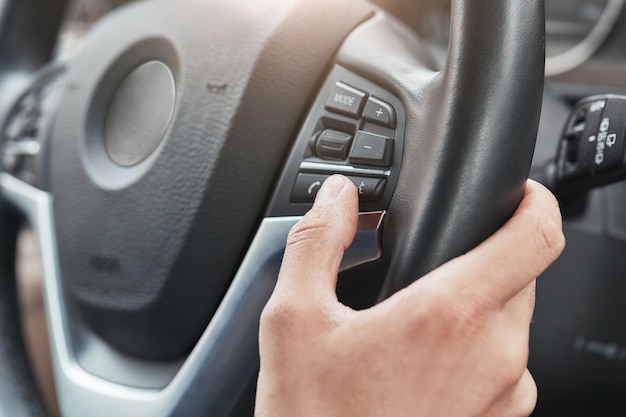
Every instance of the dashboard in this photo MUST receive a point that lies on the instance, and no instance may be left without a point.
(584, 38)
(584, 41)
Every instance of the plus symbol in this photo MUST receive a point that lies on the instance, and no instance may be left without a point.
(379, 112)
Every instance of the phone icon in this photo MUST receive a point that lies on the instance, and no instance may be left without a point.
(314, 186)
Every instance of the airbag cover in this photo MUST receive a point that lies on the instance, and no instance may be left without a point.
(149, 244)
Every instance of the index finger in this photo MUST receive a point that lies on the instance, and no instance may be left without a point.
(316, 244)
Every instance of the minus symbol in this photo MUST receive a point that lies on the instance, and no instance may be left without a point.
(367, 147)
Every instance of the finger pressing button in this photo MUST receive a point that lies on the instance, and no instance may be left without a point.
(307, 185)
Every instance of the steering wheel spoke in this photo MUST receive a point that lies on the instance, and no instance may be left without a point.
(25, 135)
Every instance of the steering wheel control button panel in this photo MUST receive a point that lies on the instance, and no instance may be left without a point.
(346, 100)
(371, 149)
(591, 150)
(307, 186)
(333, 144)
(354, 128)
(377, 111)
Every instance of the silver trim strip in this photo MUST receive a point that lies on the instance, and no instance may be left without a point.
(366, 244)
(21, 148)
(342, 169)
(226, 356)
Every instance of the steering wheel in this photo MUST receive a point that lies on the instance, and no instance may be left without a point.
(163, 167)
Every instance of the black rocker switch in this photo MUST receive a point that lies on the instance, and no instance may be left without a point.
(333, 144)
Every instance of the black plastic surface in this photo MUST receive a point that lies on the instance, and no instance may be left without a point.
(370, 149)
(578, 344)
(377, 111)
(333, 144)
(346, 100)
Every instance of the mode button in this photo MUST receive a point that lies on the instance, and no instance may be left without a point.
(346, 100)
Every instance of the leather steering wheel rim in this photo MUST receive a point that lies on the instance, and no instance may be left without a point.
(469, 138)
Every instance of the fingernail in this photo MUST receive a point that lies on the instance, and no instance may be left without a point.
(330, 189)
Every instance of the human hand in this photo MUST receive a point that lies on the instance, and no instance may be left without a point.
(454, 343)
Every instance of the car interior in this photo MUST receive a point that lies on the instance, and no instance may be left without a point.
(154, 155)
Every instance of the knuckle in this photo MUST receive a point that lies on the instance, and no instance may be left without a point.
(548, 231)
(306, 230)
(445, 313)
(279, 317)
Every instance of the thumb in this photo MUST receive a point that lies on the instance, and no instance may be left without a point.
(316, 244)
